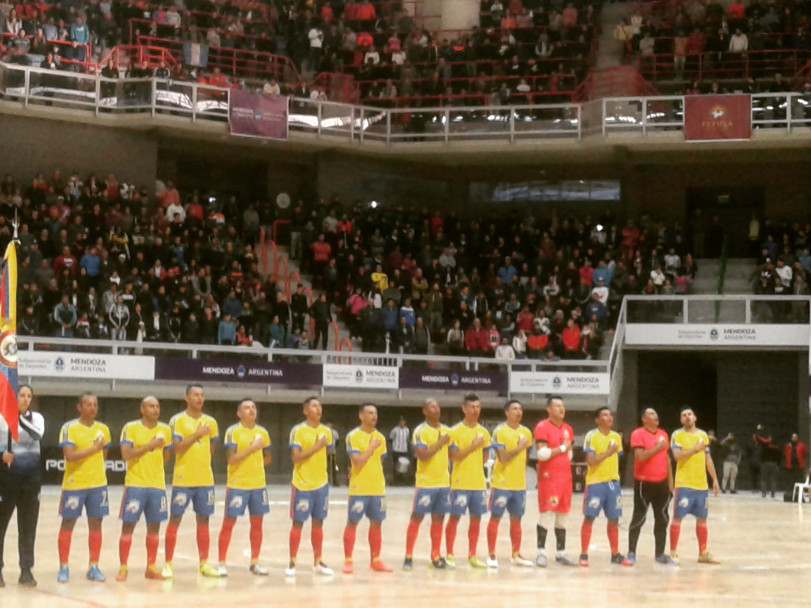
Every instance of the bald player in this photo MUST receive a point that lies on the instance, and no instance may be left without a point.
(146, 445)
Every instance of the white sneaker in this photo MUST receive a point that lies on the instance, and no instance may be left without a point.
(322, 569)
(540, 559)
(517, 560)
(259, 570)
(290, 571)
(222, 569)
(492, 563)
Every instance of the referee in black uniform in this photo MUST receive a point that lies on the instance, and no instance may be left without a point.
(20, 482)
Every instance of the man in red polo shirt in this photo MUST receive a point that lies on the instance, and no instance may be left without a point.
(653, 485)
(553, 443)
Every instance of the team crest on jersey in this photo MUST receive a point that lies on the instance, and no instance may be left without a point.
(236, 502)
(594, 503)
(181, 499)
(460, 500)
(501, 501)
(357, 506)
(683, 502)
(302, 505)
(424, 501)
(72, 502)
(132, 506)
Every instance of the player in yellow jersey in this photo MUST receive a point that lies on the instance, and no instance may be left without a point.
(247, 448)
(146, 445)
(602, 448)
(432, 493)
(366, 447)
(470, 441)
(84, 443)
(691, 449)
(309, 442)
(194, 437)
(511, 440)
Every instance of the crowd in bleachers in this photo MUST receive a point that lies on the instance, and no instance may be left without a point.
(783, 267)
(100, 258)
(525, 52)
(745, 42)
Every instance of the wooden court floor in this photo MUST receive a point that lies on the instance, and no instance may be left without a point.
(764, 546)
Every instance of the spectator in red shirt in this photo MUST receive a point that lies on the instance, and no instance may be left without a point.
(66, 267)
(321, 254)
(795, 454)
(571, 341)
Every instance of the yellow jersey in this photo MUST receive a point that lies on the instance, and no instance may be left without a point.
(311, 473)
(510, 475)
(248, 474)
(193, 467)
(88, 472)
(597, 443)
(146, 471)
(369, 479)
(691, 472)
(431, 473)
(468, 474)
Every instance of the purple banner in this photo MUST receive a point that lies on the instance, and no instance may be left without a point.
(449, 379)
(257, 114)
(212, 370)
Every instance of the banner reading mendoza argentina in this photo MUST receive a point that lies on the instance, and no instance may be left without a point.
(257, 114)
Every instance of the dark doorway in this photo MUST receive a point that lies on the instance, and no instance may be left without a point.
(733, 207)
(668, 381)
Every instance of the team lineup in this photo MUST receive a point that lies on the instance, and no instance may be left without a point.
(450, 483)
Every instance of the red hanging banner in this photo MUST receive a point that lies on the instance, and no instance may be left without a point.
(717, 117)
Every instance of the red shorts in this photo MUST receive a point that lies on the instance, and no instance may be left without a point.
(555, 495)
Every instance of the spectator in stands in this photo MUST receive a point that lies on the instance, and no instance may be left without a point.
(64, 316)
(226, 331)
(739, 42)
(80, 37)
(321, 313)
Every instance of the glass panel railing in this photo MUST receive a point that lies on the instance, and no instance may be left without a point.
(770, 111)
(779, 310)
(718, 310)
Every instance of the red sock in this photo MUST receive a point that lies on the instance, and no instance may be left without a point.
(171, 541)
(152, 542)
(256, 536)
(63, 543)
(317, 540)
(675, 530)
(492, 535)
(124, 544)
(585, 537)
(473, 537)
(436, 539)
(375, 542)
(94, 544)
(225, 536)
(450, 535)
(203, 542)
(349, 542)
(295, 539)
(411, 536)
(613, 538)
(701, 535)
(515, 536)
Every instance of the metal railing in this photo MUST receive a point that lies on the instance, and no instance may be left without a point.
(362, 123)
(216, 352)
(703, 309)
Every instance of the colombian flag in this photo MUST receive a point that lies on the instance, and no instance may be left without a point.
(8, 339)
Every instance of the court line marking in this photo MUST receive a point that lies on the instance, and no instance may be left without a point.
(69, 598)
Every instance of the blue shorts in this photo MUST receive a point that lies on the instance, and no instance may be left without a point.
(512, 501)
(94, 500)
(432, 500)
(202, 498)
(605, 496)
(236, 500)
(474, 500)
(374, 507)
(688, 501)
(149, 501)
(309, 503)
